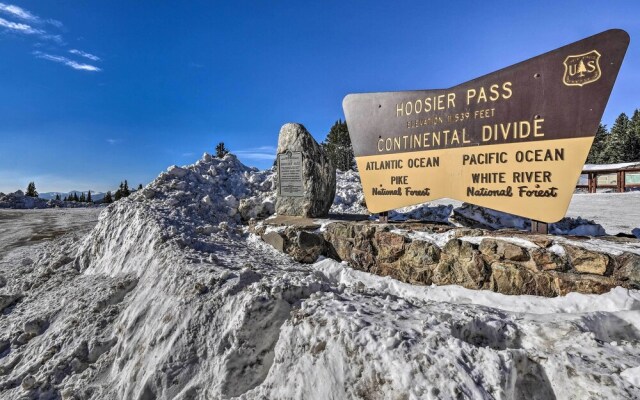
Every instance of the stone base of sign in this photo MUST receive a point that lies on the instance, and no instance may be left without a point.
(318, 174)
(490, 261)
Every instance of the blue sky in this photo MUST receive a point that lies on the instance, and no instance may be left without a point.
(94, 92)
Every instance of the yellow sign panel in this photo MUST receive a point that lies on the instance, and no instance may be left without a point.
(514, 140)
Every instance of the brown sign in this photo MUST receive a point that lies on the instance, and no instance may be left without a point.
(514, 140)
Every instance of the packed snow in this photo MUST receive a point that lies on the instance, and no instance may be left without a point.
(168, 297)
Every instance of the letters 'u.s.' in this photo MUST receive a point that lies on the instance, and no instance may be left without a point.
(514, 140)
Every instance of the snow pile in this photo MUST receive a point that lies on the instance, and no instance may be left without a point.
(166, 299)
(480, 217)
(18, 200)
(423, 212)
(349, 196)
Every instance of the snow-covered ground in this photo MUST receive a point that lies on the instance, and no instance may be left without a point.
(616, 212)
(167, 297)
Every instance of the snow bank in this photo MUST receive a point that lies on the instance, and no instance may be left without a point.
(476, 216)
(349, 196)
(616, 300)
(18, 200)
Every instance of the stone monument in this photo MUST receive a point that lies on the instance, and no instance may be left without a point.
(306, 176)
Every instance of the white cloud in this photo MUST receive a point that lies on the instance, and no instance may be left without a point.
(113, 141)
(85, 55)
(257, 153)
(21, 28)
(17, 12)
(66, 61)
(55, 23)
(35, 28)
(54, 38)
(25, 15)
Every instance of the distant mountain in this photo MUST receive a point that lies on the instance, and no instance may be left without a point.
(95, 196)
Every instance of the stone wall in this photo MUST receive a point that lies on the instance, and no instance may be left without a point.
(538, 265)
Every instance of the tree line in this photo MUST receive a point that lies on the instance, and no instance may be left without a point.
(618, 145)
(123, 191)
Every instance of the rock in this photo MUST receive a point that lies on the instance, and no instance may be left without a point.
(303, 246)
(28, 382)
(587, 261)
(461, 264)
(7, 300)
(420, 253)
(35, 326)
(318, 174)
(510, 278)
(418, 262)
(547, 260)
(566, 283)
(200, 288)
(502, 250)
(389, 246)
(3, 281)
(275, 240)
(628, 270)
(340, 241)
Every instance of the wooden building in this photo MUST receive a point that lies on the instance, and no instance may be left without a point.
(620, 177)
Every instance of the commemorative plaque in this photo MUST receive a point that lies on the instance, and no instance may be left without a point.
(290, 182)
(514, 140)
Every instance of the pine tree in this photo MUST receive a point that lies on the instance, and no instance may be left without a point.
(89, 200)
(338, 147)
(615, 151)
(57, 197)
(125, 190)
(82, 198)
(221, 151)
(634, 136)
(599, 143)
(75, 196)
(31, 190)
(65, 198)
(118, 194)
(107, 198)
(140, 186)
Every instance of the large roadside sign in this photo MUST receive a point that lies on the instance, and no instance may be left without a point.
(514, 140)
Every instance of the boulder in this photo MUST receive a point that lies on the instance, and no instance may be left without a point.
(275, 240)
(510, 278)
(566, 283)
(587, 261)
(461, 263)
(628, 270)
(318, 174)
(502, 250)
(547, 260)
(304, 246)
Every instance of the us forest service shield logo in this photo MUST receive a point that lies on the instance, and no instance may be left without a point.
(582, 69)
